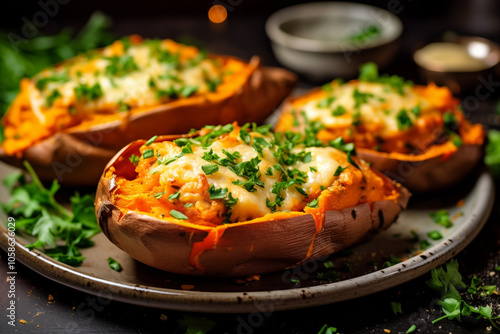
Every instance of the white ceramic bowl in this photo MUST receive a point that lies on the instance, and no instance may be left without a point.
(317, 39)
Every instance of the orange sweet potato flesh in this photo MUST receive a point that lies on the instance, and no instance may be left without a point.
(77, 155)
(274, 242)
(434, 165)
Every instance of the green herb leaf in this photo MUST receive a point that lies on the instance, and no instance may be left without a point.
(446, 282)
(360, 98)
(492, 157)
(327, 330)
(113, 264)
(450, 121)
(435, 235)
(396, 308)
(196, 324)
(301, 191)
(151, 140)
(369, 33)
(176, 195)
(52, 97)
(244, 134)
(210, 169)
(158, 195)
(149, 153)
(441, 218)
(178, 215)
(120, 66)
(424, 244)
(411, 329)
(40, 215)
(415, 111)
(57, 77)
(217, 193)
(339, 170)
(339, 111)
(314, 203)
(89, 93)
(326, 102)
(188, 90)
(403, 120)
(369, 73)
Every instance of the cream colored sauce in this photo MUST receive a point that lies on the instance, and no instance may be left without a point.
(452, 57)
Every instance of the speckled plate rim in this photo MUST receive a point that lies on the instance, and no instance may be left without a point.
(268, 301)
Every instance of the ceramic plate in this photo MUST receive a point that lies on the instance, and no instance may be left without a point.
(360, 271)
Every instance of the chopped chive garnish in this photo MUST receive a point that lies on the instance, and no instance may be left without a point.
(178, 215)
(339, 170)
(149, 153)
(151, 140)
(134, 159)
(158, 195)
(174, 196)
(314, 203)
(435, 235)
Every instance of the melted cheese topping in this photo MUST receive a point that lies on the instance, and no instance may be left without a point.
(400, 118)
(130, 76)
(121, 78)
(252, 204)
(169, 179)
(372, 104)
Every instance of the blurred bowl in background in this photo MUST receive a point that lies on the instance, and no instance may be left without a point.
(323, 40)
(458, 61)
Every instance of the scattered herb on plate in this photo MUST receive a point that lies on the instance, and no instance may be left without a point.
(195, 324)
(60, 232)
(113, 264)
(492, 157)
(396, 307)
(327, 330)
(447, 283)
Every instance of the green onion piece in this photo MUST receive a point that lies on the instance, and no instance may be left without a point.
(113, 264)
(151, 140)
(339, 170)
(174, 196)
(314, 203)
(149, 153)
(134, 159)
(178, 215)
(158, 195)
(435, 235)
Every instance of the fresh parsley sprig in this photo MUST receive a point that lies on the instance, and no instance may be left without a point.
(59, 231)
(447, 283)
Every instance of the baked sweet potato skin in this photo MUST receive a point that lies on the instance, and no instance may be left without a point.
(427, 174)
(76, 156)
(436, 165)
(274, 242)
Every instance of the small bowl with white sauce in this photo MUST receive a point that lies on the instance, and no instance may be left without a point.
(458, 62)
(324, 40)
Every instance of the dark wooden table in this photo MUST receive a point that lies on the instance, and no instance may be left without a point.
(49, 307)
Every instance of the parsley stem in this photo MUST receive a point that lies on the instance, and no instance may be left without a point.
(58, 207)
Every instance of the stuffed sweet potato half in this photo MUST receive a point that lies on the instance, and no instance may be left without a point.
(231, 201)
(417, 135)
(68, 121)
